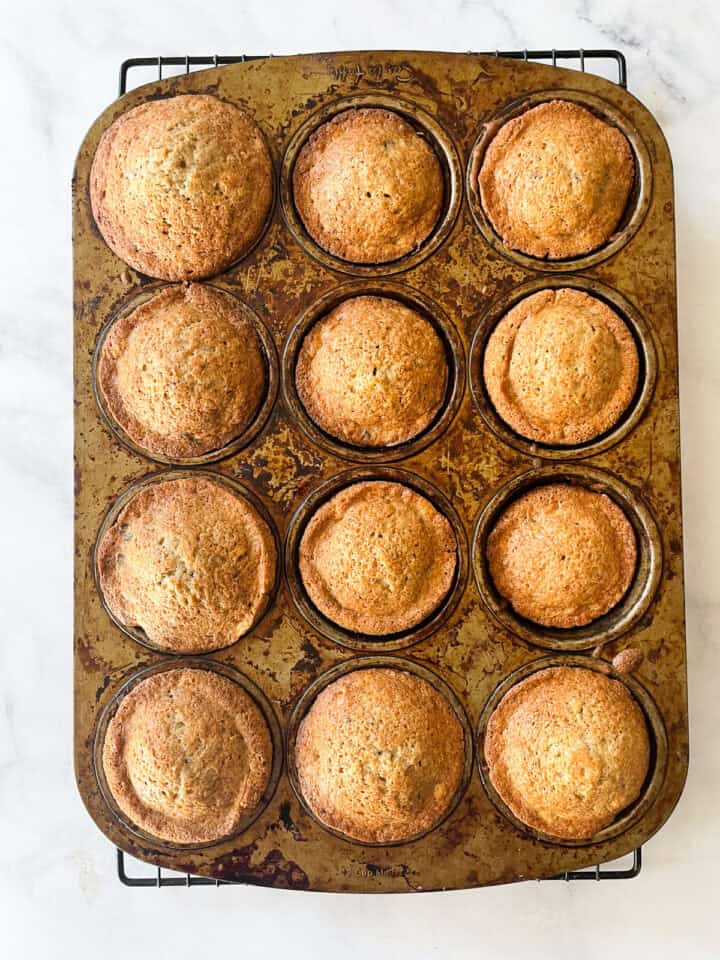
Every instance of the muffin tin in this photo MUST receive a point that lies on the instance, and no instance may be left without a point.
(467, 462)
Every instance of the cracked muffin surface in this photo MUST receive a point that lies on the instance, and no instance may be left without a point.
(380, 755)
(378, 558)
(183, 374)
(372, 372)
(180, 188)
(561, 367)
(368, 187)
(187, 755)
(556, 180)
(568, 750)
(188, 561)
(562, 555)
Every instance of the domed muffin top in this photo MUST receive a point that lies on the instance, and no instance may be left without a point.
(555, 181)
(568, 750)
(368, 187)
(182, 374)
(380, 755)
(189, 562)
(562, 555)
(378, 558)
(372, 372)
(561, 367)
(180, 188)
(187, 755)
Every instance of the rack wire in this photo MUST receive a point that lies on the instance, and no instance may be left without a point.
(579, 59)
(135, 873)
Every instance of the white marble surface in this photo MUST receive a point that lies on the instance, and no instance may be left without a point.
(58, 892)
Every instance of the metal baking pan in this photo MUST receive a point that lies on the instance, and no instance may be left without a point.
(469, 463)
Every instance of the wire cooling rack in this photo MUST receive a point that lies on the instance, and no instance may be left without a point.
(592, 60)
(135, 873)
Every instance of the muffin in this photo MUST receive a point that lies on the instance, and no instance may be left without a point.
(180, 188)
(372, 372)
(380, 755)
(189, 562)
(378, 558)
(183, 374)
(555, 181)
(187, 756)
(568, 750)
(561, 367)
(562, 555)
(368, 187)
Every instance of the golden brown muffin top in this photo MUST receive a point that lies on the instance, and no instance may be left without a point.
(181, 188)
(561, 367)
(183, 374)
(190, 562)
(568, 749)
(562, 555)
(380, 755)
(372, 372)
(187, 755)
(555, 181)
(378, 558)
(368, 186)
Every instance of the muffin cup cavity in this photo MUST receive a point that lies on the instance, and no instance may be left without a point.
(656, 732)
(635, 210)
(633, 605)
(307, 698)
(137, 633)
(428, 128)
(259, 419)
(636, 409)
(454, 354)
(331, 630)
(224, 670)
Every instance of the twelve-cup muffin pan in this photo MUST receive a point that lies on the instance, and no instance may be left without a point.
(468, 462)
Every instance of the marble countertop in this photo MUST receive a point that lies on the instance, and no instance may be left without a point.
(59, 895)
